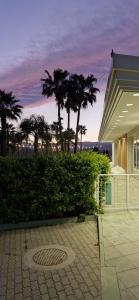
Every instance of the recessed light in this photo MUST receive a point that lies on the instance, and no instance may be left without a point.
(136, 94)
(125, 111)
(129, 104)
(117, 120)
(121, 116)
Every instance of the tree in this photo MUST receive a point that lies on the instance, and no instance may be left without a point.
(10, 134)
(82, 130)
(55, 133)
(18, 138)
(36, 126)
(69, 105)
(37, 129)
(83, 93)
(56, 85)
(26, 128)
(46, 137)
(11, 110)
(68, 137)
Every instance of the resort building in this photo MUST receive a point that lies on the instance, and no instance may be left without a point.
(120, 122)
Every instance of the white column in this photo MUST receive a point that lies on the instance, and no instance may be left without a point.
(130, 162)
(114, 153)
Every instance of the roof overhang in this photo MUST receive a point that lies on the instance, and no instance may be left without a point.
(121, 106)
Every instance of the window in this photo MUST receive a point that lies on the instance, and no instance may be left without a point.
(136, 153)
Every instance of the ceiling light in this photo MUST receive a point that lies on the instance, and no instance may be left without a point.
(129, 104)
(117, 120)
(125, 111)
(136, 94)
(121, 116)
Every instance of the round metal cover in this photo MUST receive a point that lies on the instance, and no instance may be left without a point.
(50, 257)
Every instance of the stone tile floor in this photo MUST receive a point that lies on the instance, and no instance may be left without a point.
(121, 250)
(80, 280)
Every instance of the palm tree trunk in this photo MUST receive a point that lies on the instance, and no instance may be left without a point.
(36, 143)
(3, 136)
(77, 129)
(81, 141)
(68, 148)
(60, 129)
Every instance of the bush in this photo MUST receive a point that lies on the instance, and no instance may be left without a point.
(41, 187)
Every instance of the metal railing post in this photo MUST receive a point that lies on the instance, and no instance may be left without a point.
(127, 190)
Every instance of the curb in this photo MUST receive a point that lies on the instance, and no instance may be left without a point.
(109, 283)
(51, 222)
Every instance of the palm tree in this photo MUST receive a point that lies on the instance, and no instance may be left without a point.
(69, 105)
(82, 131)
(18, 138)
(46, 137)
(56, 85)
(25, 127)
(9, 109)
(56, 134)
(10, 133)
(37, 129)
(68, 137)
(83, 93)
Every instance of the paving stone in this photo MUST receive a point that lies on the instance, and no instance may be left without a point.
(71, 283)
(18, 287)
(43, 289)
(72, 297)
(56, 277)
(41, 279)
(59, 286)
(88, 296)
(26, 292)
(26, 282)
(62, 296)
(78, 293)
(65, 281)
(83, 287)
(52, 292)
(79, 278)
(34, 285)
(94, 291)
(50, 283)
(45, 297)
(18, 296)
(68, 289)
(36, 295)
(10, 293)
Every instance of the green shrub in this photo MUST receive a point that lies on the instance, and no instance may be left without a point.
(41, 187)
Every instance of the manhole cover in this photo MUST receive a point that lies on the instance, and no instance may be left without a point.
(50, 257)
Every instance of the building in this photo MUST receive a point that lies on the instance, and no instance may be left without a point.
(120, 122)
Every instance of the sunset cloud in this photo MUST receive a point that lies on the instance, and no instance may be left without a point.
(83, 44)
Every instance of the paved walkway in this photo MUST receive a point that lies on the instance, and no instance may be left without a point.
(120, 255)
(80, 280)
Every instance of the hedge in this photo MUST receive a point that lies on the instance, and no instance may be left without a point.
(42, 187)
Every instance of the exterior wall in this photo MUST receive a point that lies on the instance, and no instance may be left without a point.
(124, 153)
(120, 153)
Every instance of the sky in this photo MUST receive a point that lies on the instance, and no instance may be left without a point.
(77, 35)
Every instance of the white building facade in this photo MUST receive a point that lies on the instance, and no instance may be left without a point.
(120, 122)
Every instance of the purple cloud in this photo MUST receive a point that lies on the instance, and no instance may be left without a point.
(85, 50)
